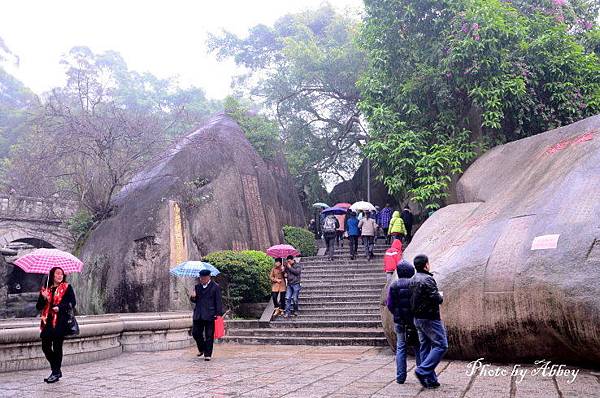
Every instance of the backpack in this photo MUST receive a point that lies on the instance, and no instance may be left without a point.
(329, 225)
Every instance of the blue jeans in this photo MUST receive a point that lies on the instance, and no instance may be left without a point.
(434, 344)
(291, 297)
(401, 353)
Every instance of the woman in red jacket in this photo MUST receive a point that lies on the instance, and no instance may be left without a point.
(55, 302)
(392, 257)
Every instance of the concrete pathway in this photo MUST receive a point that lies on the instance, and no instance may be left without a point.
(283, 371)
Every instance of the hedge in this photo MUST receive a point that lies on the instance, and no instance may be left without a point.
(302, 239)
(244, 276)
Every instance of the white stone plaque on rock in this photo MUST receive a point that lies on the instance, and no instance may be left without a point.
(545, 242)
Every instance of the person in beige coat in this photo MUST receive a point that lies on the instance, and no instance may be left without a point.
(278, 287)
(368, 228)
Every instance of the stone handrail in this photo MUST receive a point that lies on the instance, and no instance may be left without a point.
(101, 337)
(25, 207)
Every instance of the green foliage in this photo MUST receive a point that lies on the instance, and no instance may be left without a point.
(448, 79)
(244, 276)
(80, 224)
(302, 239)
(262, 132)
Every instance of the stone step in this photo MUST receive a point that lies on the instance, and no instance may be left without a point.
(340, 316)
(341, 305)
(298, 332)
(341, 279)
(335, 311)
(339, 297)
(337, 266)
(340, 287)
(314, 341)
(303, 324)
(344, 271)
(360, 257)
(348, 278)
(356, 293)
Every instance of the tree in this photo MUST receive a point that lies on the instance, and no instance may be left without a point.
(304, 69)
(448, 79)
(96, 132)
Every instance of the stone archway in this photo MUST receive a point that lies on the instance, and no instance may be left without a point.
(21, 288)
(17, 280)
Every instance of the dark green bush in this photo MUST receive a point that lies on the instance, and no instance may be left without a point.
(302, 239)
(244, 276)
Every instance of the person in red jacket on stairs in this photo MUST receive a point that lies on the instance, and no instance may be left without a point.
(392, 257)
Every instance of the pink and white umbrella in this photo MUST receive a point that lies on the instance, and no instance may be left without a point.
(41, 261)
(282, 251)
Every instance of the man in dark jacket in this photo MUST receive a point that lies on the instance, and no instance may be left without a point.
(398, 302)
(209, 305)
(425, 305)
(293, 273)
(409, 220)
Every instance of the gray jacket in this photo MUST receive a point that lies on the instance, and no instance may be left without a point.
(293, 274)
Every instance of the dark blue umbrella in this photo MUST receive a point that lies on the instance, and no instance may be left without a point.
(338, 211)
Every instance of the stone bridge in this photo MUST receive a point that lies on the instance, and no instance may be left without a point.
(28, 223)
(35, 222)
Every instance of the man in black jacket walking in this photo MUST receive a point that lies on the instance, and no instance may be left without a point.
(209, 305)
(425, 304)
(398, 302)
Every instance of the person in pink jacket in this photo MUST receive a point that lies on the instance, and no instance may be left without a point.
(392, 257)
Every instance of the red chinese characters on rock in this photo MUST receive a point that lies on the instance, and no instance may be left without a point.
(564, 144)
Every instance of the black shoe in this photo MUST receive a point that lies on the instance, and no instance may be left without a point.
(52, 379)
(399, 381)
(200, 354)
(207, 358)
(434, 384)
(46, 379)
(423, 380)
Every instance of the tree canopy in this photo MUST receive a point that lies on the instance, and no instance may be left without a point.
(86, 139)
(448, 79)
(304, 69)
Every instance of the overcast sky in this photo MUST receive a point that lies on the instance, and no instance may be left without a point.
(166, 38)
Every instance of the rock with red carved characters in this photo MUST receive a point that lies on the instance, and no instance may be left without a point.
(503, 300)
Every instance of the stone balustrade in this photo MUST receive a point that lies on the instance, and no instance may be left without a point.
(101, 337)
(29, 208)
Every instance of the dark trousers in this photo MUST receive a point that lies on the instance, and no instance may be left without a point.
(353, 245)
(388, 238)
(278, 303)
(53, 350)
(369, 242)
(330, 243)
(204, 334)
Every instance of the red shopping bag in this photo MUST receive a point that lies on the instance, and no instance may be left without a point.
(219, 327)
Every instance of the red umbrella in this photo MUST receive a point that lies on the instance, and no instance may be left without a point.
(282, 251)
(343, 205)
(41, 261)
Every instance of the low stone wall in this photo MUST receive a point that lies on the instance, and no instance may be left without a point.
(101, 337)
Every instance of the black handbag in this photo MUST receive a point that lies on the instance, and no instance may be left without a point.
(412, 336)
(72, 325)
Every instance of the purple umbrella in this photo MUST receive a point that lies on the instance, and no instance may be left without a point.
(338, 211)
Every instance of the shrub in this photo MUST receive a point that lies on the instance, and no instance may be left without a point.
(302, 239)
(244, 276)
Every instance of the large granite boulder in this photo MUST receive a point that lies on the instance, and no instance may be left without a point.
(212, 191)
(512, 291)
(355, 189)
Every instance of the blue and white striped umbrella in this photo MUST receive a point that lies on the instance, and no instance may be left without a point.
(193, 268)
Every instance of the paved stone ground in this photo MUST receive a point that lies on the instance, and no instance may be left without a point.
(280, 371)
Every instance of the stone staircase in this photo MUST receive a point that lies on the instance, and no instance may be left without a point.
(339, 305)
